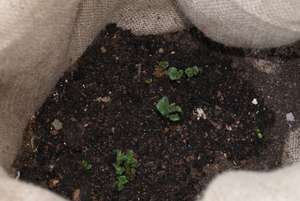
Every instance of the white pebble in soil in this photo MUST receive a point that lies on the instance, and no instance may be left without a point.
(254, 101)
(290, 117)
(57, 125)
(161, 51)
(200, 114)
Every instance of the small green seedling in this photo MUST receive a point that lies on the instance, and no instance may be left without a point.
(121, 182)
(163, 64)
(148, 81)
(161, 69)
(125, 168)
(192, 71)
(259, 133)
(170, 111)
(86, 165)
(175, 74)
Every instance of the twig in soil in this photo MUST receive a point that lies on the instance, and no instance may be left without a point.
(215, 124)
(139, 72)
(34, 147)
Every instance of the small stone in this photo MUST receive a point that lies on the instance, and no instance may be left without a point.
(173, 52)
(161, 50)
(290, 117)
(225, 155)
(103, 50)
(220, 95)
(266, 66)
(190, 158)
(229, 128)
(18, 175)
(57, 125)
(166, 130)
(254, 101)
(73, 119)
(51, 167)
(200, 114)
(76, 195)
(104, 99)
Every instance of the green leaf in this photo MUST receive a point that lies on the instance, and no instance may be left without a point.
(118, 169)
(192, 71)
(148, 81)
(163, 64)
(175, 74)
(174, 117)
(121, 157)
(86, 165)
(125, 167)
(121, 182)
(163, 106)
(170, 111)
(189, 72)
(259, 134)
(196, 70)
(173, 108)
(130, 162)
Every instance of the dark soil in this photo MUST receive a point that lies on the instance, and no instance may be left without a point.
(105, 105)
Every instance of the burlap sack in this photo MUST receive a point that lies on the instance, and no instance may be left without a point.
(280, 185)
(13, 190)
(140, 16)
(40, 39)
(35, 42)
(246, 23)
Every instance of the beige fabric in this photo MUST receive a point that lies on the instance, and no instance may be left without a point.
(40, 39)
(150, 16)
(280, 185)
(13, 190)
(292, 147)
(91, 18)
(140, 16)
(33, 50)
(246, 23)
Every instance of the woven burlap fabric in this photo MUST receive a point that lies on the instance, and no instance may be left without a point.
(246, 23)
(150, 16)
(13, 190)
(140, 16)
(292, 147)
(33, 50)
(92, 16)
(40, 40)
(279, 185)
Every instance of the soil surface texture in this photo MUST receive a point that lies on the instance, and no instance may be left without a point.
(108, 103)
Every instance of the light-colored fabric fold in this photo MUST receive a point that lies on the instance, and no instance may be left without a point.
(40, 40)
